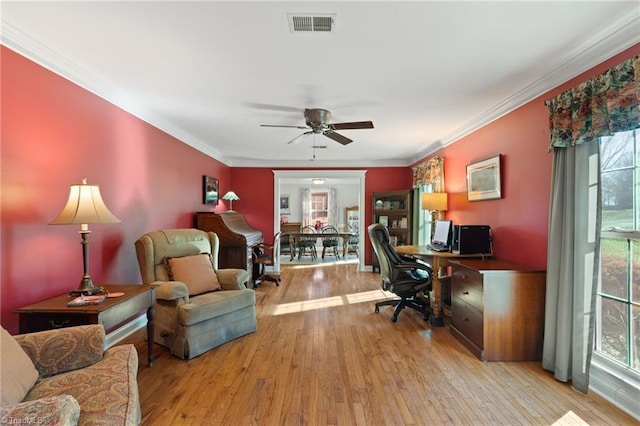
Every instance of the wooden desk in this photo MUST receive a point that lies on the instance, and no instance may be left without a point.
(293, 238)
(439, 261)
(112, 313)
(498, 309)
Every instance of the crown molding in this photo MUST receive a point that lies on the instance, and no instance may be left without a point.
(619, 36)
(19, 42)
(616, 38)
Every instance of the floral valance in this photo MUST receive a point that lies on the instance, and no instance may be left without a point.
(598, 107)
(430, 172)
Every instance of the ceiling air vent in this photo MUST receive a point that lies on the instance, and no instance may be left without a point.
(311, 22)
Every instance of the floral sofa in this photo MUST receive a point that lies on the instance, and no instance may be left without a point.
(64, 377)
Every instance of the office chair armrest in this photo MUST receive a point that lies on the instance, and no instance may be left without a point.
(414, 259)
(414, 266)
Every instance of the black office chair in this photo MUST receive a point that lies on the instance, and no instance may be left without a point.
(409, 278)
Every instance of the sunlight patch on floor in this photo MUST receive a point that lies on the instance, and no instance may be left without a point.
(329, 302)
(570, 418)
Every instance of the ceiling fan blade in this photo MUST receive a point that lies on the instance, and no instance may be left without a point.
(354, 125)
(337, 137)
(299, 137)
(272, 107)
(282, 125)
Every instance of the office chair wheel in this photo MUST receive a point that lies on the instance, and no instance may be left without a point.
(394, 318)
(425, 317)
(377, 310)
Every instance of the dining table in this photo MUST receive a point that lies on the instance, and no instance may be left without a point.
(294, 237)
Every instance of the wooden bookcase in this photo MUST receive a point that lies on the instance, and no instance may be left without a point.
(393, 209)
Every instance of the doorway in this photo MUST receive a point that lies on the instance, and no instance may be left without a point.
(355, 178)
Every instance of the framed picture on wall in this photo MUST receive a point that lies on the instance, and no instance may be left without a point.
(210, 187)
(483, 179)
(284, 205)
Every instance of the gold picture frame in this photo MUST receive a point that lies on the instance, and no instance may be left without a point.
(484, 179)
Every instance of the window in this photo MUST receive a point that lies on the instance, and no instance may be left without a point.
(424, 216)
(618, 300)
(319, 210)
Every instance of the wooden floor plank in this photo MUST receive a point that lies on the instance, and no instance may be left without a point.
(321, 356)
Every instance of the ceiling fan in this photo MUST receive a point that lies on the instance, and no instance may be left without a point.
(317, 120)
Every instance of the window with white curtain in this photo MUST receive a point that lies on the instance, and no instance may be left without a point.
(319, 211)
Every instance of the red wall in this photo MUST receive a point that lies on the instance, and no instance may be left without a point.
(519, 220)
(55, 133)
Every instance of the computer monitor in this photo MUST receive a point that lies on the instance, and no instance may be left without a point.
(442, 233)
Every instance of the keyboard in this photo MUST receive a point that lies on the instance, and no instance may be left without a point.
(435, 247)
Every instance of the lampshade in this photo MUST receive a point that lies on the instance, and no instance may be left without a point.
(230, 195)
(434, 201)
(84, 206)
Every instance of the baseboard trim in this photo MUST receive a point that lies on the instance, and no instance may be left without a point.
(615, 383)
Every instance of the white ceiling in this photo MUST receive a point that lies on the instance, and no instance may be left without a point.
(425, 72)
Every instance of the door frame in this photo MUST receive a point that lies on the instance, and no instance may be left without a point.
(356, 177)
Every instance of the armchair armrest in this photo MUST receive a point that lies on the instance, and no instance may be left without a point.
(171, 290)
(63, 349)
(232, 279)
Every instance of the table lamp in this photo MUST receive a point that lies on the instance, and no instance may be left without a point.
(435, 202)
(231, 196)
(83, 207)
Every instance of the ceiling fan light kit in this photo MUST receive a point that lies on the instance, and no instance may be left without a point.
(318, 121)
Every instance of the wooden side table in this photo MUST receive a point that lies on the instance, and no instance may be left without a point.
(112, 313)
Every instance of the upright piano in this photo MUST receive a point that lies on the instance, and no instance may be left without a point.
(236, 236)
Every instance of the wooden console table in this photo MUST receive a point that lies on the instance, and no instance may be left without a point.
(439, 261)
(498, 309)
(112, 313)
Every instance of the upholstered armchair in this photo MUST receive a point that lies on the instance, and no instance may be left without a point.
(66, 377)
(198, 306)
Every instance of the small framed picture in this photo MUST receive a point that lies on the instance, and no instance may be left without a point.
(210, 190)
(284, 205)
(384, 220)
(483, 179)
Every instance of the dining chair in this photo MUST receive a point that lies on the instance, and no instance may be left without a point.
(330, 241)
(307, 243)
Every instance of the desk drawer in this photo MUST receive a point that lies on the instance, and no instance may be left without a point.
(467, 286)
(468, 321)
(33, 322)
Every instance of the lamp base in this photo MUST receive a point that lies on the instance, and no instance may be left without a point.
(86, 288)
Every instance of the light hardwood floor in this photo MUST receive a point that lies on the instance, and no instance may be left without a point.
(321, 356)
